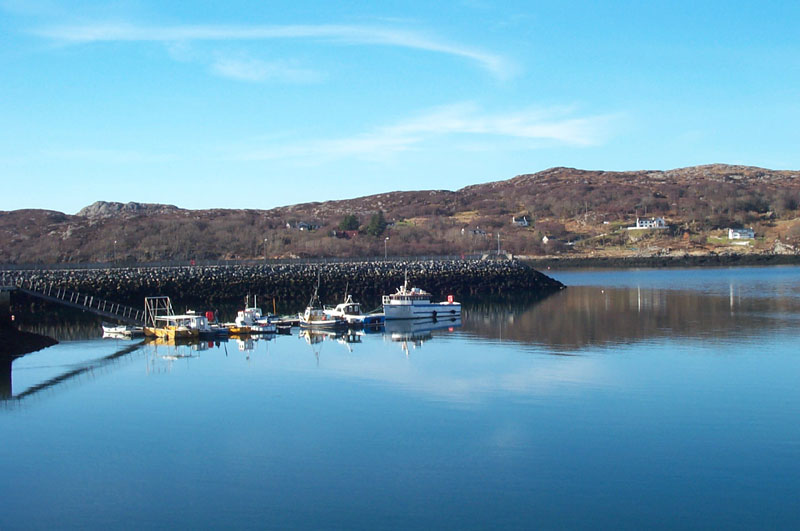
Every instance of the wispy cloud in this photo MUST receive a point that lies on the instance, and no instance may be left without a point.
(341, 34)
(551, 126)
(250, 69)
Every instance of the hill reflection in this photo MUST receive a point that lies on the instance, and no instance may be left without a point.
(591, 316)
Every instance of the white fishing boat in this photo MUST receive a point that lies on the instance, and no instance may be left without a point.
(314, 316)
(415, 303)
(252, 320)
(351, 312)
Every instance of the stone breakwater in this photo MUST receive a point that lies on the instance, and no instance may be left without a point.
(293, 284)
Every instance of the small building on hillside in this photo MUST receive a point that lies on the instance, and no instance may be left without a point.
(345, 234)
(741, 234)
(520, 222)
(649, 223)
(302, 225)
(477, 231)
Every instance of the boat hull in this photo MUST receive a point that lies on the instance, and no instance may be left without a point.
(431, 310)
(171, 332)
(323, 325)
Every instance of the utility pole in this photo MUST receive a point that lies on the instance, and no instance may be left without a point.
(498, 243)
(385, 242)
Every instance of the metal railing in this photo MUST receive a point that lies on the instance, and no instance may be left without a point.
(82, 301)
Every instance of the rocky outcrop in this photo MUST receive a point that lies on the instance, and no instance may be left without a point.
(105, 209)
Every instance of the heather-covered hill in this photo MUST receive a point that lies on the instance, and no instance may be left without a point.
(579, 211)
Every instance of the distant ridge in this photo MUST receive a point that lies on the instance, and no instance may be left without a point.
(389, 200)
(564, 204)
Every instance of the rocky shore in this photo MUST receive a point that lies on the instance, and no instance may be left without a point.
(293, 284)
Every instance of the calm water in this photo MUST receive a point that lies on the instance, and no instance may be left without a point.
(633, 399)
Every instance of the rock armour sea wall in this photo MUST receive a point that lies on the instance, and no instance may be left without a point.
(293, 284)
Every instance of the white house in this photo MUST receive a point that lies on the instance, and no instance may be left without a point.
(303, 225)
(741, 234)
(520, 222)
(649, 223)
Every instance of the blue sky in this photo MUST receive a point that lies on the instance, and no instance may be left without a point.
(262, 104)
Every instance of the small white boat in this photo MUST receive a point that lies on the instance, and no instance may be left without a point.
(121, 331)
(415, 303)
(351, 312)
(251, 320)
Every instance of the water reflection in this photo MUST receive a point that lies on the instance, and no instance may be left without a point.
(66, 330)
(413, 333)
(70, 375)
(568, 322)
(586, 315)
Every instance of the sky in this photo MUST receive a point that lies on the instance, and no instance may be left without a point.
(261, 104)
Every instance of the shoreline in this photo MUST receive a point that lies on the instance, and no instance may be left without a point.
(631, 262)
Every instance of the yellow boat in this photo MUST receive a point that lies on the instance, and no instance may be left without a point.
(171, 332)
(236, 330)
(161, 320)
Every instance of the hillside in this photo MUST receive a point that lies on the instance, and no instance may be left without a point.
(581, 212)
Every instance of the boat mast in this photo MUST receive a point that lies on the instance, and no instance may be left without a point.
(314, 295)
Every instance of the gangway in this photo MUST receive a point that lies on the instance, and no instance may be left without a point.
(82, 301)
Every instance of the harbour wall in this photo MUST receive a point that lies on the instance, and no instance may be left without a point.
(5, 304)
(292, 284)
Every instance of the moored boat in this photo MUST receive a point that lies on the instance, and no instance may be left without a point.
(314, 316)
(252, 320)
(169, 327)
(351, 312)
(161, 321)
(121, 331)
(415, 303)
(200, 322)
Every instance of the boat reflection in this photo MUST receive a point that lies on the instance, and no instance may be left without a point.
(345, 337)
(415, 332)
